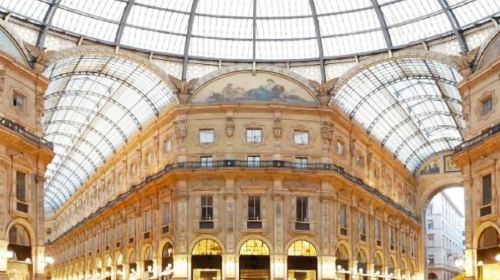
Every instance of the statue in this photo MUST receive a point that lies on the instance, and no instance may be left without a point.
(182, 88)
(323, 90)
(229, 127)
(277, 128)
(465, 62)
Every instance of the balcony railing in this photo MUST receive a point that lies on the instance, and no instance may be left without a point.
(485, 134)
(227, 164)
(19, 129)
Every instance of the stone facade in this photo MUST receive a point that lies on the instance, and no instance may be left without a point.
(24, 156)
(334, 191)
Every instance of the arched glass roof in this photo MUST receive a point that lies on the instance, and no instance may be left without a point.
(92, 105)
(410, 105)
(256, 29)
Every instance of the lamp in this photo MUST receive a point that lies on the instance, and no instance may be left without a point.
(360, 270)
(49, 260)
(497, 257)
(480, 263)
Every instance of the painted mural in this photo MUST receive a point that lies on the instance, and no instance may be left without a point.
(248, 87)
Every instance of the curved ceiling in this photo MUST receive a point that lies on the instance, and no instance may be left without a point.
(412, 106)
(257, 29)
(92, 106)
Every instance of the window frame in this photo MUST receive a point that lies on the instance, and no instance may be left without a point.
(206, 132)
(253, 139)
(297, 137)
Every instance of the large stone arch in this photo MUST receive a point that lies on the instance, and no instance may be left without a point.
(427, 191)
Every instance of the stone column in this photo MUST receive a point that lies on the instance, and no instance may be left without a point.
(3, 259)
(38, 260)
(181, 266)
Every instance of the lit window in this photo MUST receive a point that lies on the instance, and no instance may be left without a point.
(254, 135)
(301, 137)
(19, 101)
(254, 208)
(206, 136)
(253, 160)
(21, 186)
(207, 208)
(206, 161)
(486, 105)
(301, 162)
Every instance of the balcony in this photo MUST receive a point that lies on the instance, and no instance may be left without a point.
(22, 206)
(206, 224)
(302, 226)
(254, 224)
(165, 229)
(21, 131)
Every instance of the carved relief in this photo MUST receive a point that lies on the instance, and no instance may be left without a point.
(180, 130)
(327, 131)
(2, 80)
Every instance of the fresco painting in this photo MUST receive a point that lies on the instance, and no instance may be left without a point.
(261, 87)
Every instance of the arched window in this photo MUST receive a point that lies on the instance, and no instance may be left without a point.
(19, 243)
(167, 256)
(254, 247)
(207, 247)
(302, 248)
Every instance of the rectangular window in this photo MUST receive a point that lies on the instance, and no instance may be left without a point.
(430, 224)
(302, 213)
(147, 221)
(378, 232)
(254, 208)
(301, 137)
(19, 101)
(343, 219)
(486, 190)
(301, 162)
(21, 186)
(431, 259)
(392, 238)
(118, 232)
(486, 105)
(206, 161)
(131, 227)
(254, 135)
(165, 213)
(302, 209)
(206, 136)
(253, 161)
(362, 227)
(207, 208)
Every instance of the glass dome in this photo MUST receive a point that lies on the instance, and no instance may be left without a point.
(255, 29)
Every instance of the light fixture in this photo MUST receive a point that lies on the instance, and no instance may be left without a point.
(49, 260)
(28, 260)
(150, 268)
(480, 263)
(497, 257)
(377, 272)
(360, 270)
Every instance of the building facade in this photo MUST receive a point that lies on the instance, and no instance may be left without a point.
(243, 190)
(478, 159)
(24, 155)
(445, 240)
